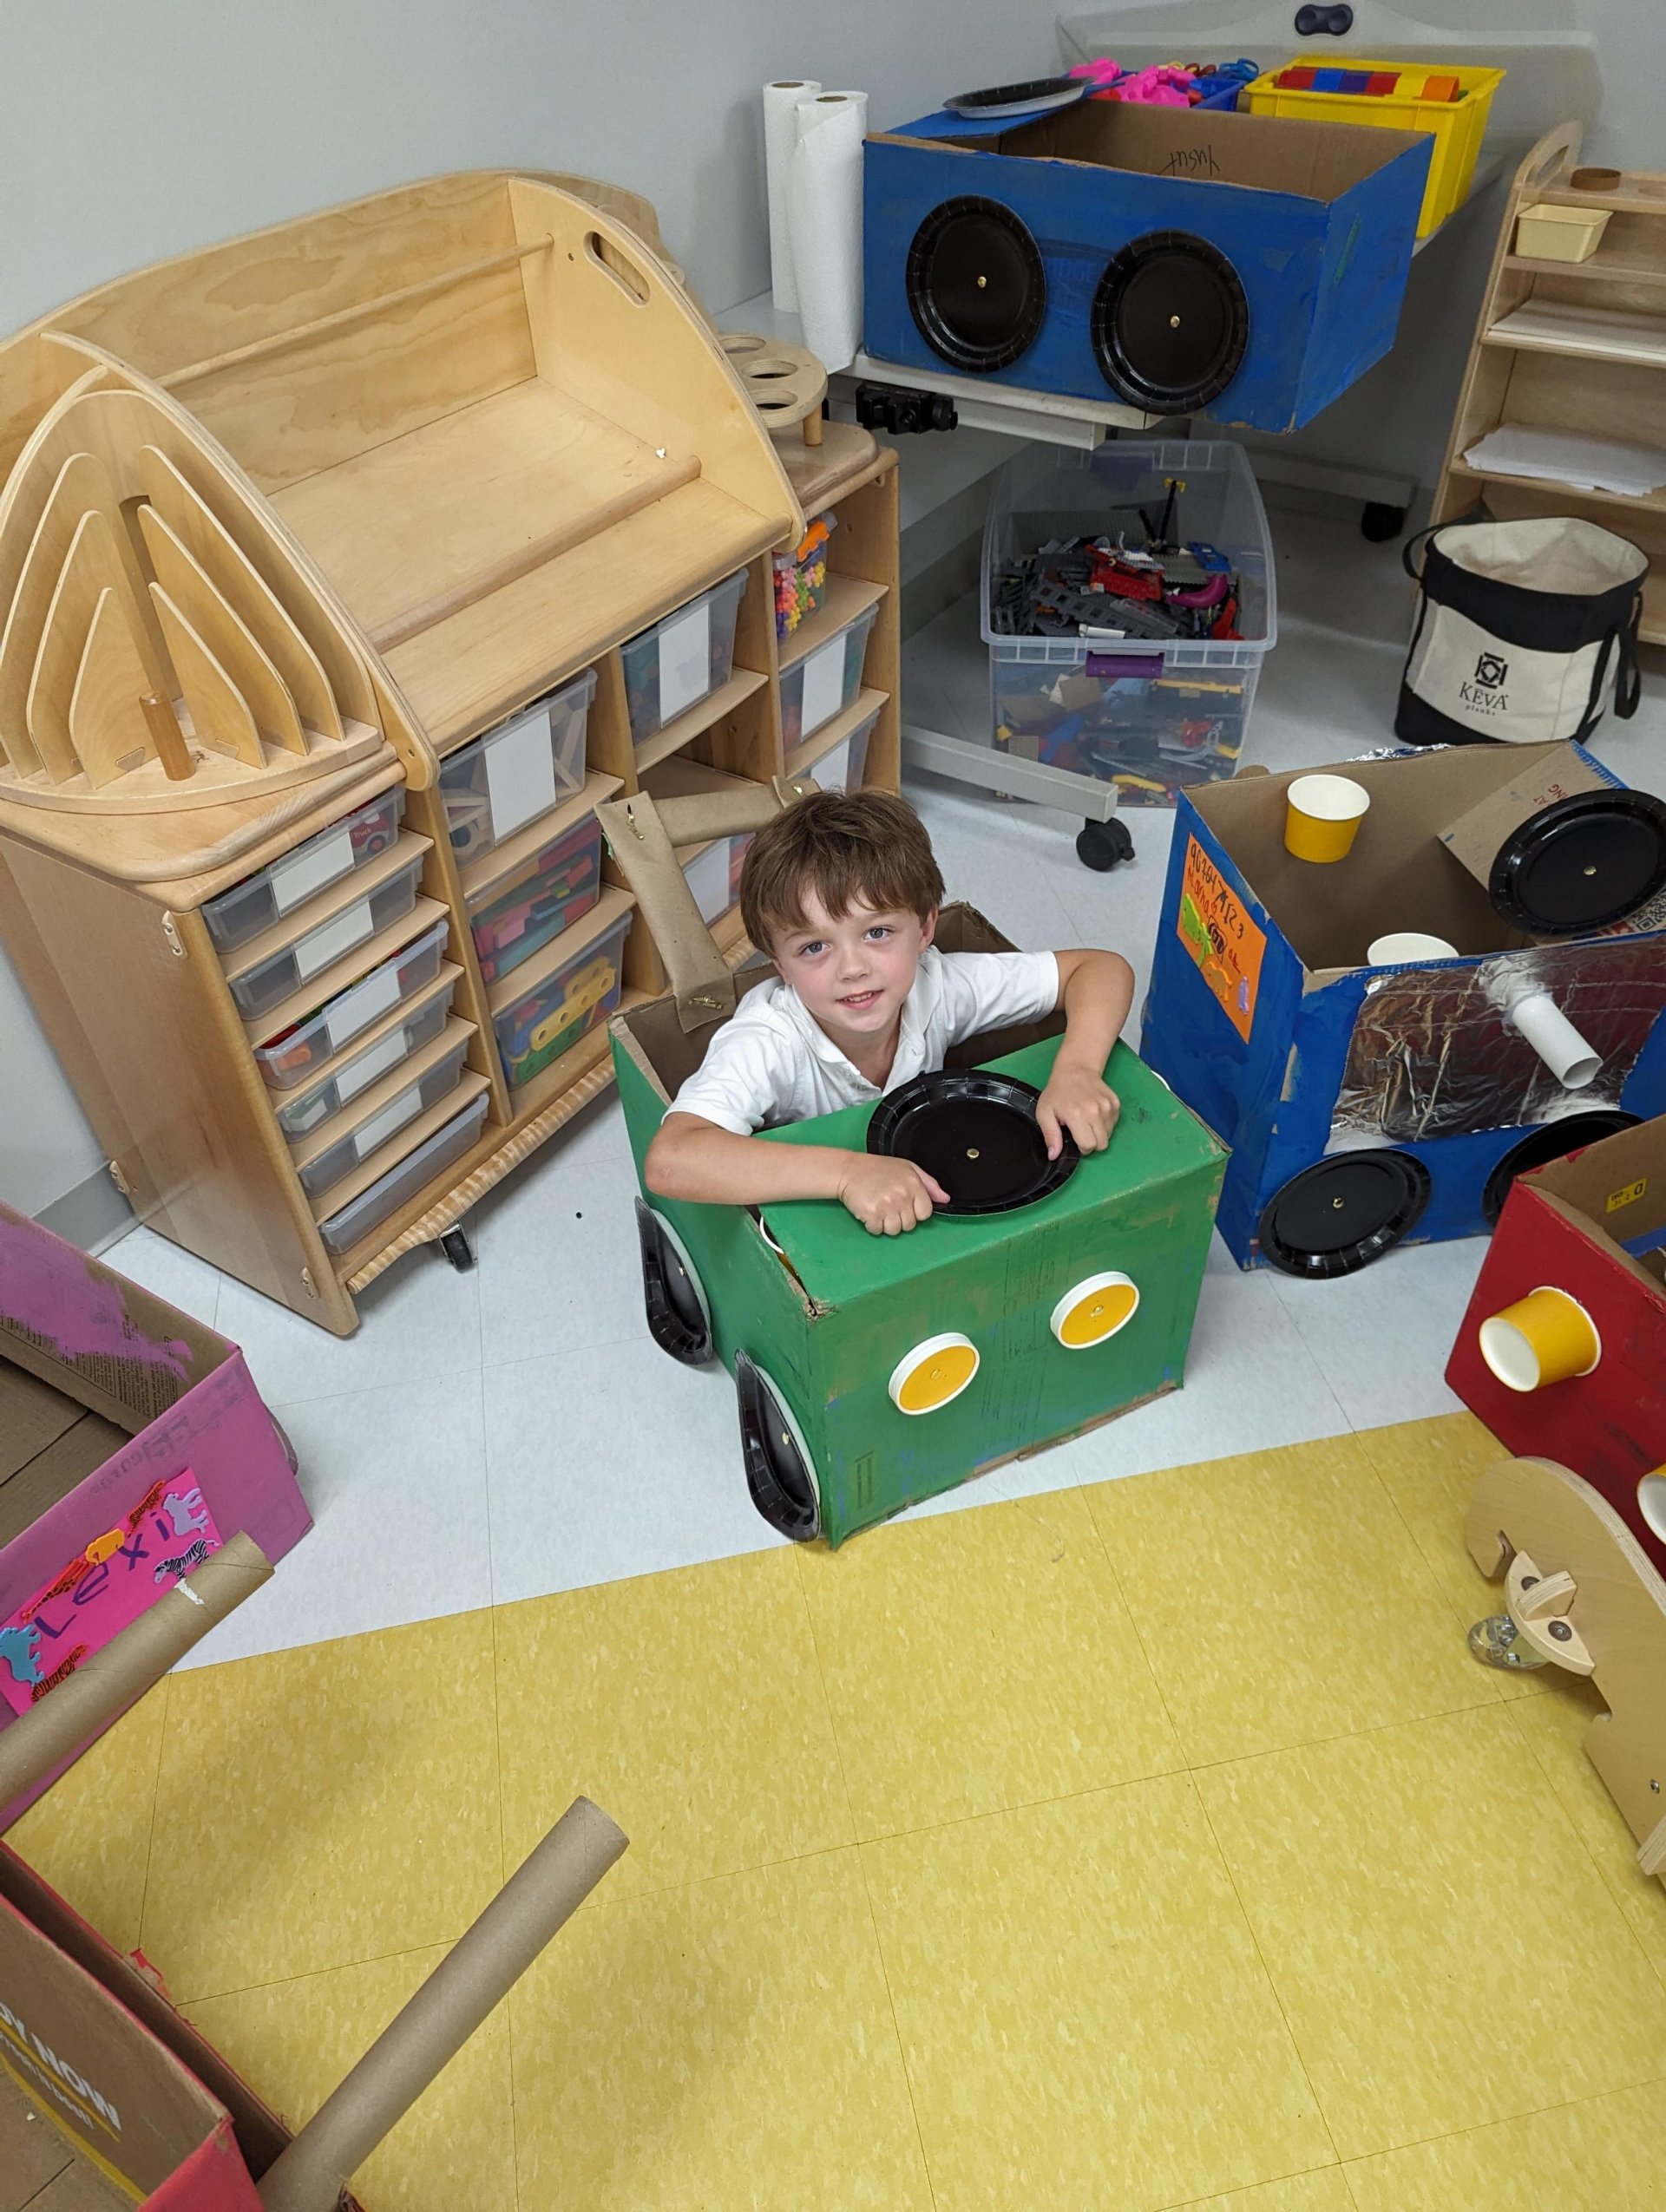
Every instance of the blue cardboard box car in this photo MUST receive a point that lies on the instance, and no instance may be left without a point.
(1180, 260)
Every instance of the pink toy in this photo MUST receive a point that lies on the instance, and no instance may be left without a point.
(1164, 85)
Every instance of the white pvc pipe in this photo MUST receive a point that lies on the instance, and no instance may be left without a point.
(1571, 1058)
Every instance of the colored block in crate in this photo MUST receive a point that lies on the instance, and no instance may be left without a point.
(1381, 83)
(1266, 1016)
(833, 1315)
(1300, 242)
(1442, 87)
(1592, 1226)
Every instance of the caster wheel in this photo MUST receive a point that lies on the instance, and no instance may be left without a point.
(458, 1249)
(1101, 844)
(1340, 1214)
(1381, 523)
(679, 1318)
(780, 1473)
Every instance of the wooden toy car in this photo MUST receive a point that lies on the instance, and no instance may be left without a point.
(874, 1371)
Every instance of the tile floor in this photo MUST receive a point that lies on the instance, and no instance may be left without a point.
(1075, 1841)
(1152, 1843)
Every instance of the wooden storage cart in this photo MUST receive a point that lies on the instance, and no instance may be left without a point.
(285, 525)
(1573, 346)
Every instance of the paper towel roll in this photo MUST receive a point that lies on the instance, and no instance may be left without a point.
(780, 136)
(826, 223)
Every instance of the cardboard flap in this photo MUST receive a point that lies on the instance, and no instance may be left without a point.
(1557, 772)
(1618, 1184)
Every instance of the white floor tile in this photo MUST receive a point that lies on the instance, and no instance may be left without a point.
(419, 1320)
(169, 1271)
(610, 1462)
(396, 1481)
(1382, 1338)
(558, 1265)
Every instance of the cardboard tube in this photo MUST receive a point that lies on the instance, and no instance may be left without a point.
(106, 1683)
(1571, 1058)
(480, 1969)
(1322, 815)
(1545, 1338)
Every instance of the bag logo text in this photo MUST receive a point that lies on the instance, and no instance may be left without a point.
(1482, 692)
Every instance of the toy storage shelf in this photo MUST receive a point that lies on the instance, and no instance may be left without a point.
(1571, 346)
(477, 464)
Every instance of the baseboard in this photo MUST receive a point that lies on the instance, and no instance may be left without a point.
(92, 1215)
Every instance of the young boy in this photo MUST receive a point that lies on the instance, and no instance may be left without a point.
(843, 892)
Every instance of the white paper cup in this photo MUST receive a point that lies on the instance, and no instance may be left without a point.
(1408, 945)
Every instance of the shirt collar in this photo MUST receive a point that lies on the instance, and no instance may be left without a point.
(917, 1010)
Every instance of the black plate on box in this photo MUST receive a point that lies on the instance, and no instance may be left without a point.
(1170, 322)
(1036, 96)
(1554, 1140)
(976, 1133)
(976, 287)
(1581, 863)
(1342, 1214)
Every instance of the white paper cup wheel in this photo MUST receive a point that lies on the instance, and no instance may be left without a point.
(1095, 1309)
(934, 1373)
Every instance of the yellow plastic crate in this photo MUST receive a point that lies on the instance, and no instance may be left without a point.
(1456, 125)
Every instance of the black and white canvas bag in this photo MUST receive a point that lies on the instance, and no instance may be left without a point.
(1524, 632)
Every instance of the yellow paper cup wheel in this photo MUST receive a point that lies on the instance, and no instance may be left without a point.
(1545, 1338)
(933, 1373)
(1323, 814)
(1095, 1309)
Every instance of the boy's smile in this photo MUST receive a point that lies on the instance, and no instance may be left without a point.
(854, 972)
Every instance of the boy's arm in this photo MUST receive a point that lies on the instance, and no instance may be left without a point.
(1096, 991)
(692, 1158)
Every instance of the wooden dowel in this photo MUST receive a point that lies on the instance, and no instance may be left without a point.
(170, 739)
(280, 339)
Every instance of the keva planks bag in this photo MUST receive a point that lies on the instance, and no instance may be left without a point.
(1524, 630)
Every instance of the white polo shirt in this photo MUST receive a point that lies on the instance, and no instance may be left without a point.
(773, 1063)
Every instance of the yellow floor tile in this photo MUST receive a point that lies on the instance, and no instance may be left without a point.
(980, 1660)
(688, 1704)
(1553, 1727)
(89, 1835)
(324, 1805)
(1445, 1951)
(727, 2047)
(1430, 1469)
(1601, 2155)
(1279, 1601)
(1326, 2190)
(294, 2040)
(1084, 2016)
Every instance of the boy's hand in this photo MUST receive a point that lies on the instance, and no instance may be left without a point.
(887, 1196)
(1078, 1100)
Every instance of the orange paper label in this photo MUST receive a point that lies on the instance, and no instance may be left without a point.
(1219, 935)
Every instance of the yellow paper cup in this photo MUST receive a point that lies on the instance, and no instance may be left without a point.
(1323, 814)
(1545, 1338)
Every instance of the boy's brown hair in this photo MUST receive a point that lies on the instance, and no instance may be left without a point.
(860, 846)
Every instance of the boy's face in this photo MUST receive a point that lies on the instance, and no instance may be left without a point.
(854, 971)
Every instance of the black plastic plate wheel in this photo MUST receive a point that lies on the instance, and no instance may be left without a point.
(976, 1133)
(1036, 96)
(679, 1316)
(1170, 322)
(1343, 1212)
(976, 287)
(1553, 1140)
(1581, 863)
(780, 1473)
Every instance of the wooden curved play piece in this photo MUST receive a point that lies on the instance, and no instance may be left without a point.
(785, 383)
(1573, 1566)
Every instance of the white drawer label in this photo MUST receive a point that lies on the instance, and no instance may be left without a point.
(519, 774)
(320, 946)
(322, 861)
(382, 1125)
(362, 1003)
(385, 1053)
(685, 661)
(823, 686)
(832, 771)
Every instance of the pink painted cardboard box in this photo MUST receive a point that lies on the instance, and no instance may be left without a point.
(132, 1442)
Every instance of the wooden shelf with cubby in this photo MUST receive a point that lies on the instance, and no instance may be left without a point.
(1571, 347)
(481, 444)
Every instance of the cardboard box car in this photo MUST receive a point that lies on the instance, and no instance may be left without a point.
(133, 1442)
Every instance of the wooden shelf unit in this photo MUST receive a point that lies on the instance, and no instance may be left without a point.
(1573, 347)
(487, 490)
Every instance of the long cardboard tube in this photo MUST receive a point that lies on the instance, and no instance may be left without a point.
(477, 1973)
(106, 1683)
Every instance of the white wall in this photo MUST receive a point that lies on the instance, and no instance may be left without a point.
(128, 133)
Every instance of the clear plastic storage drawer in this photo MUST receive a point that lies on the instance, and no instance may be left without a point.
(272, 982)
(248, 907)
(299, 1118)
(519, 915)
(825, 682)
(290, 1058)
(355, 1147)
(355, 1220)
(683, 659)
(515, 773)
(553, 1016)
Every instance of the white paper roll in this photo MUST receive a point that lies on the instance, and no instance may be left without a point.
(780, 136)
(826, 223)
(1572, 1058)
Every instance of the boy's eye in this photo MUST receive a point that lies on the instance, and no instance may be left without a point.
(815, 946)
(880, 930)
